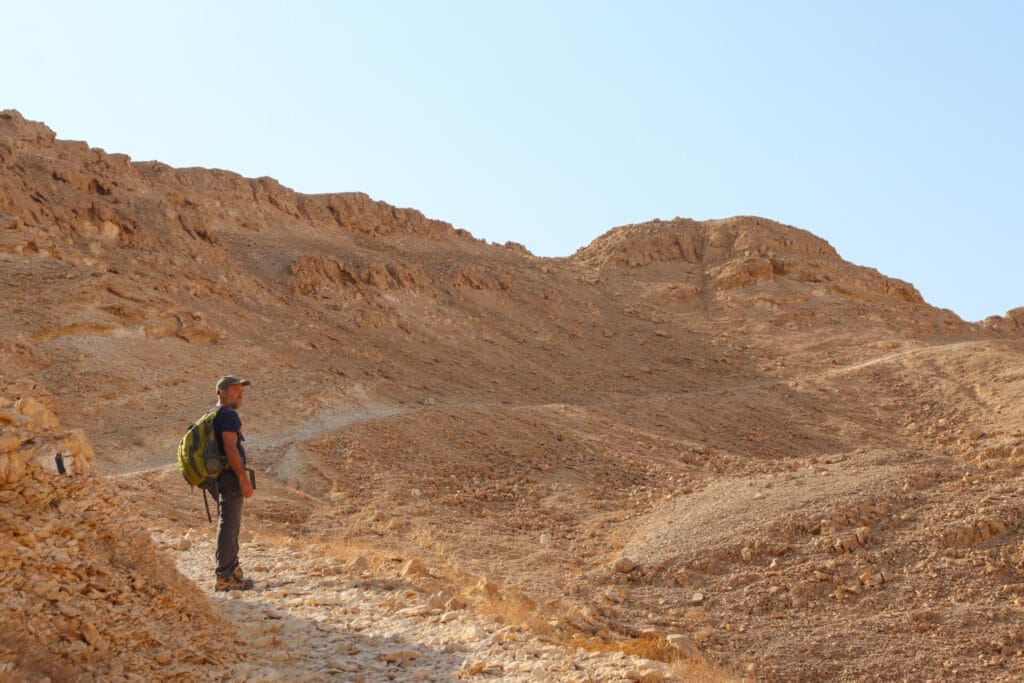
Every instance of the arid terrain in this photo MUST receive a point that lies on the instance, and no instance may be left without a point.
(690, 451)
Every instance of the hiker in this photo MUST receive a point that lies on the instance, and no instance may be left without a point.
(232, 486)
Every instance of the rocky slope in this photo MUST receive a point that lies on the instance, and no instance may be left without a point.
(714, 435)
(85, 592)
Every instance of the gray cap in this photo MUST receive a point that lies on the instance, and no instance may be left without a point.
(227, 380)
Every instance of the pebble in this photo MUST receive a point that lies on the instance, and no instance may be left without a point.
(625, 565)
(399, 656)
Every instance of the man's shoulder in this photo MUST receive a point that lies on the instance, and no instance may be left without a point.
(227, 420)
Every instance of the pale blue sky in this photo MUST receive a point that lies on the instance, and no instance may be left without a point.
(891, 129)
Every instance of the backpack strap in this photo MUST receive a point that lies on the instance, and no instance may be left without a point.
(206, 502)
(216, 435)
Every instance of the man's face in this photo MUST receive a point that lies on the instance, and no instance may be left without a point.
(231, 396)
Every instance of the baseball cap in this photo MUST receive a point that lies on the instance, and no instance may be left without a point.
(227, 380)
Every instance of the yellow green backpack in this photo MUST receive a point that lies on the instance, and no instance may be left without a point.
(200, 457)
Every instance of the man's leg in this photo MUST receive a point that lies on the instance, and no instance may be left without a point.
(229, 509)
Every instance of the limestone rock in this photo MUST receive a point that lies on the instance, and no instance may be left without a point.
(38, 415)
(624, 565)
(473, 633)
(8, 157)
(439, 600)
(414, 567)
(684, 644)
(455, 603)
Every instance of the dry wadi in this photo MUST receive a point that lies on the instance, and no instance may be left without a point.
(690, 451)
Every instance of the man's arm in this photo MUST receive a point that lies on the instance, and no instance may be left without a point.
(235, 461)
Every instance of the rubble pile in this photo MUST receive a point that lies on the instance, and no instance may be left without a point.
(83, 590)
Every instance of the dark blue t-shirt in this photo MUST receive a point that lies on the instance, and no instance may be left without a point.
(227, 420)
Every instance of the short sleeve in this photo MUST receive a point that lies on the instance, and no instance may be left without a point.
(228, 421)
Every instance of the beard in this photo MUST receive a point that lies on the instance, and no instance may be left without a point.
(232, 403)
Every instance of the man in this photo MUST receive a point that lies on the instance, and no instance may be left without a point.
(232, 485)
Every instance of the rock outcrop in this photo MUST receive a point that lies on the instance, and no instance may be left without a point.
(84, 593)
(739, 252)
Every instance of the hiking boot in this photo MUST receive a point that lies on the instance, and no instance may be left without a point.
(235, 582)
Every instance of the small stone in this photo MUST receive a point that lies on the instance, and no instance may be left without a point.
(67, 610)
(545, 539)
(414, 567)
(473, 667)
(438, 600)
(9, 442)
(747, 554)
(625, 565)
(697, 598)
(399, 656)
(455, 604)
(472, 634)
(684, 644)
(504, 635)
(162, 657)
(89, 633)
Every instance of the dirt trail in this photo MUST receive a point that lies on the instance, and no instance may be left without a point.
(315, 617)
(280, 447)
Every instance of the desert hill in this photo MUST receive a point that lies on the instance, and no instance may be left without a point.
(717, 431)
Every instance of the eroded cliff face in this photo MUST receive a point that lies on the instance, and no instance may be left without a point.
(717, 431)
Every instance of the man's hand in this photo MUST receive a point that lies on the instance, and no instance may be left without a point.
(243, 481)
